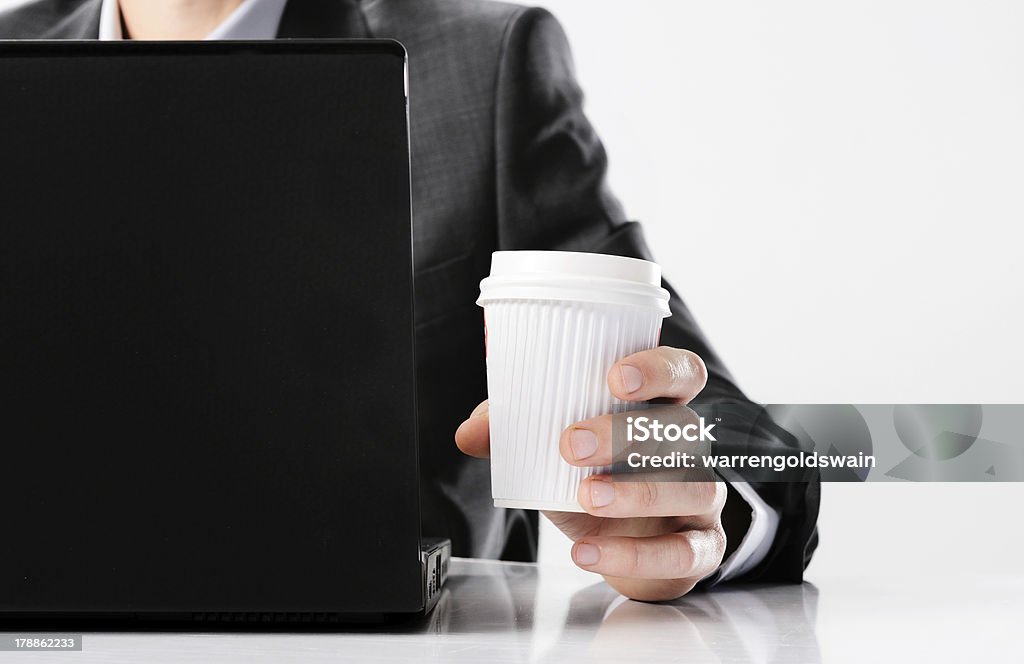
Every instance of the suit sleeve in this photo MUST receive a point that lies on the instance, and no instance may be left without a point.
(552, 194)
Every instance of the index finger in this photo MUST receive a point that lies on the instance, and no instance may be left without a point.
(659, 373)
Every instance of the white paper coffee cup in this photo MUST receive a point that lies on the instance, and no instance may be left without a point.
(556, 323)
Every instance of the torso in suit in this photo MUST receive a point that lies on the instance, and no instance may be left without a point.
(502, 158)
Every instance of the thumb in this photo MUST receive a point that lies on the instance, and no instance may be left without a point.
(474, 436)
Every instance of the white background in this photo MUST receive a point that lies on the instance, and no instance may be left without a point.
(837, 189)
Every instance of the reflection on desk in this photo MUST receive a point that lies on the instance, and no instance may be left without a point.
(556, 614)
(496, 612)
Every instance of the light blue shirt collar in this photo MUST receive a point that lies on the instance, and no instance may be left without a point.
(253, 19)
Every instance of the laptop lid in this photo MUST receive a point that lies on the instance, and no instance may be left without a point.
(206, 329)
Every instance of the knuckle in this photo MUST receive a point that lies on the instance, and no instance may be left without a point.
(681, 365)
(683, 556)
(719, 541)
(646, 494)
(720, 496)
(706, 495)
(708, 549)
(671, 364)
(635, 561)
(695, 368)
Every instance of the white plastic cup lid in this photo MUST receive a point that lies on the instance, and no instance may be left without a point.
(574, 277)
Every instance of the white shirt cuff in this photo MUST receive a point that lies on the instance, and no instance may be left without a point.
(764, 523)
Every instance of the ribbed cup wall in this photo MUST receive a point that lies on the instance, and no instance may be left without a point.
(547, 367)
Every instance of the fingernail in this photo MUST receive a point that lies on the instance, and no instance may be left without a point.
(587, 554)
(480, 410)
(583, 444)
(632, 378)
(601, 493)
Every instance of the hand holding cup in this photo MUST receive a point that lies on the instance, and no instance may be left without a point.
(571, 341)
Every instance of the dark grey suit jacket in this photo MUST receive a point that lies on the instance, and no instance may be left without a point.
(503, 158)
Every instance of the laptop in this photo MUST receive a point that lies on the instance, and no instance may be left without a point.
(207, 393)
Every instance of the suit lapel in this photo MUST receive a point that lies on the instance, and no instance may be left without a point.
(322, 19)
(82, 23)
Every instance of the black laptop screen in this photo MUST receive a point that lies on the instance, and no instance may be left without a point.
(206, 350)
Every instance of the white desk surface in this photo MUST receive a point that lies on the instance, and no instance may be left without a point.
(503, 612)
